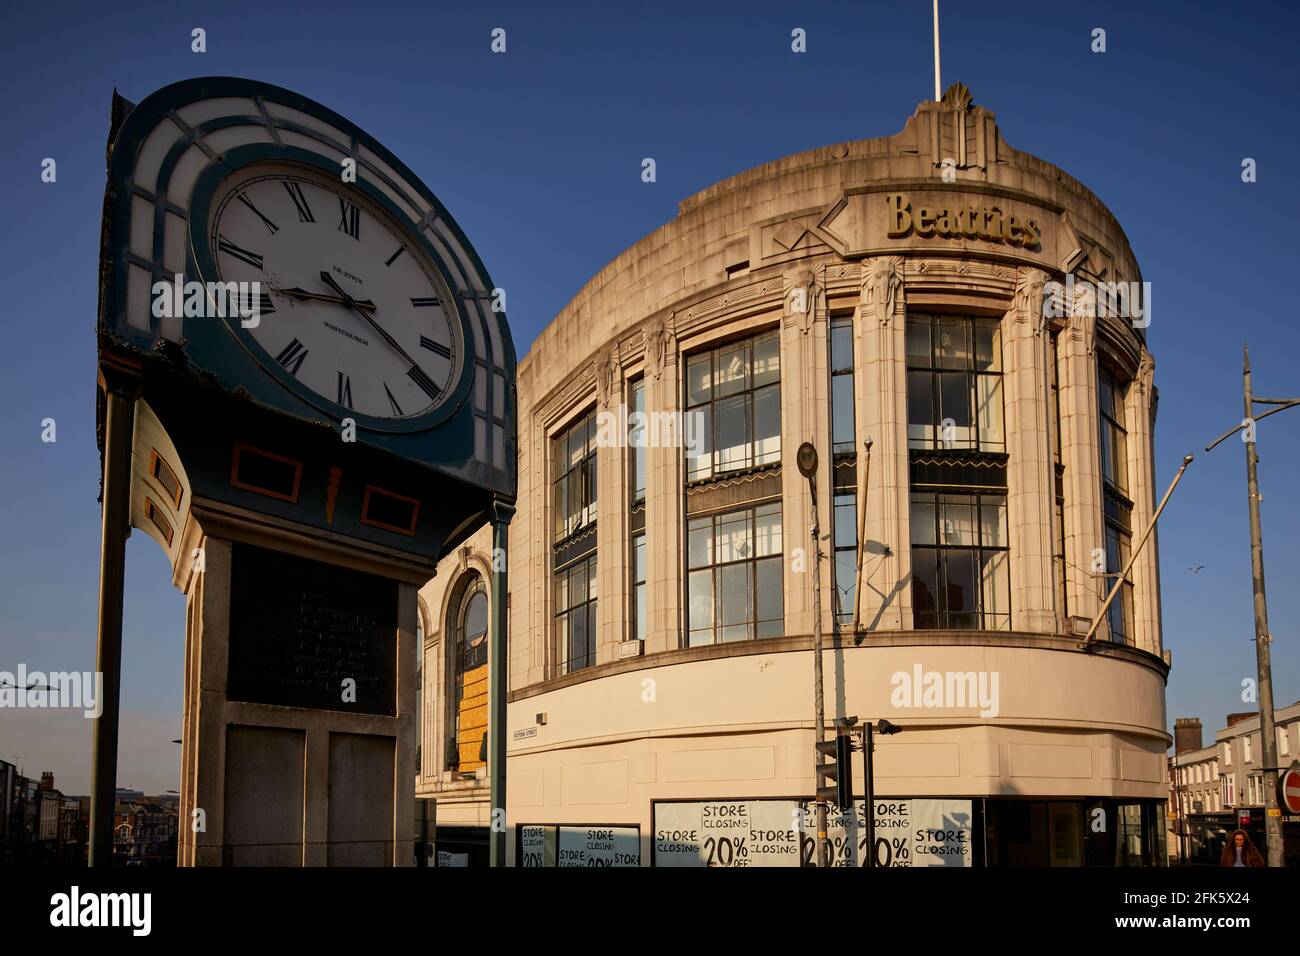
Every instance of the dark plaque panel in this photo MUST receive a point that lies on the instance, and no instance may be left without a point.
(300, 628)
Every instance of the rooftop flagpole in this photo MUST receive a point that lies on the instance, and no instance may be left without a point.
(937, 92)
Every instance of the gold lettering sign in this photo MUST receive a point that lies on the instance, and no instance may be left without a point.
(965, 222)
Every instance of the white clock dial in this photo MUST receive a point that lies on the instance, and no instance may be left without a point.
(350, 306)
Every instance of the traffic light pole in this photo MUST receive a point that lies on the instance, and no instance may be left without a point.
(869, 785)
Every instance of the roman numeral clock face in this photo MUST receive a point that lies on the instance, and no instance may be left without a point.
(350, 307)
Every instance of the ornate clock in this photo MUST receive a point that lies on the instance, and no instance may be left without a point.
(230, 180)
(304, 467)
(354, 315)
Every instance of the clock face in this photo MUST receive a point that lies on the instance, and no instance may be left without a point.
(351, 308)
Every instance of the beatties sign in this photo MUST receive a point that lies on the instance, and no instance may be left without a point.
(985, 222)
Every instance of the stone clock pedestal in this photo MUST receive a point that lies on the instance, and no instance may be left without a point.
(282, 764)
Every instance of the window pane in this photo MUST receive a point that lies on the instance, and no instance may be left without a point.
(1105, 397)
(995, 582)
(699, 453)
(577, 443)
(698, 379)
(841, 345)
(957, 526)
(1120, 467)
(578, 639)
(925, 587)
(842, 413)
(640, 612)
(733, 370)
(767, 360)
(846, 521)
(638, 557)
(1113, 564)
(735, 541)
(770, 597)
(591, 577)
(574, 501)
(961, 591)
(767, 530)
(988, 347)
(700, 606)
(952, 343)
(1107, 451)
(476, 616)
(699, 542)
(735, 598)
(559, 457)
(993, 521)
(767, 425)
(846, 582)
(638, 440)
(578, 584)
(988, 405)
(955, 399)
(562, 641)
(923, 519)
(918, 343)
(562, 591)
(733, 432)
(920, 410)
(559, 503)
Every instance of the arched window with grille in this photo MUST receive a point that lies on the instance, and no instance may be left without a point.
(469, 677)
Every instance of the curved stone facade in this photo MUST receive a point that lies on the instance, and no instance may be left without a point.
(661, 597)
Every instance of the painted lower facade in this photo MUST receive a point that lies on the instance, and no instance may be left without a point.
(957, 328)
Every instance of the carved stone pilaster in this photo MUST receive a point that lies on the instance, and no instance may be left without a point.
(606, 367)
(657, 340)
(882, 285)
(802, 297)
(1027, 301)
(1145, 373)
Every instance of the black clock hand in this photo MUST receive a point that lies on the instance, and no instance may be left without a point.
(322, 297)
(348, 300)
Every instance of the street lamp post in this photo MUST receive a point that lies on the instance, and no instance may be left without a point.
(807, 461)
(1263, 655)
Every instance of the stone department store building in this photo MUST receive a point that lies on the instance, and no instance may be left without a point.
(660, 599)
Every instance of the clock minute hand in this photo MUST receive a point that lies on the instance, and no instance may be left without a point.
(297, 293)
(348, 300)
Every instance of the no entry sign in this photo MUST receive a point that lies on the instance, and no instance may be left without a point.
(1289, 790)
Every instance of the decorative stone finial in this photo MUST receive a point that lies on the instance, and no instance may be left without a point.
(958, 97)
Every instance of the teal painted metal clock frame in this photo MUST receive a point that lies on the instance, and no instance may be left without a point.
(444, 438)
(203, 264)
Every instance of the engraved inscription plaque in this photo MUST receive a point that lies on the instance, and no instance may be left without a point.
(299, 629)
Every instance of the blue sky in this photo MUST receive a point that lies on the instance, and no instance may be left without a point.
(537, 153)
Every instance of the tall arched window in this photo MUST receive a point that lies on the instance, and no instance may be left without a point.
(419, 685)
(467, 750)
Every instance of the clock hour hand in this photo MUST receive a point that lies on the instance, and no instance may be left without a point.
(297, 293)
(348, 300)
